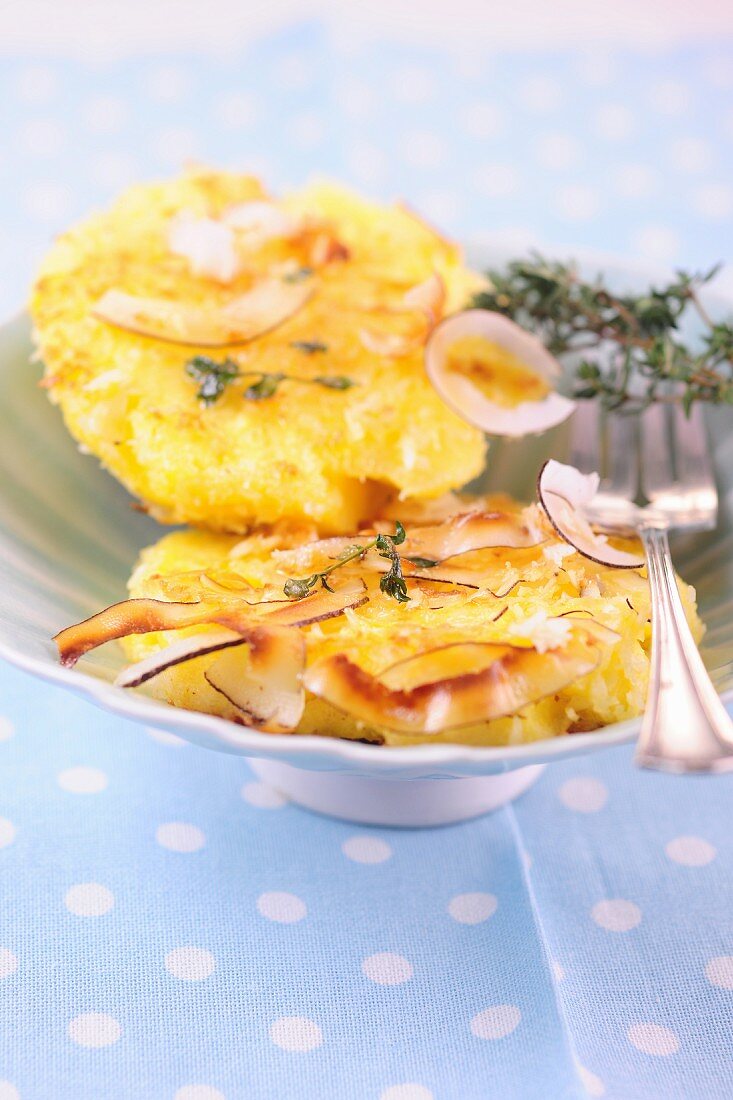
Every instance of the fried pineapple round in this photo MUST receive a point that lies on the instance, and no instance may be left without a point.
(232, 360)
(475, 623)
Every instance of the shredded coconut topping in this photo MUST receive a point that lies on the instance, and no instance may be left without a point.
(542, 632)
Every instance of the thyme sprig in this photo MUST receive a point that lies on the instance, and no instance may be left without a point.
(641, 356)
(212, 378)
(391, 583)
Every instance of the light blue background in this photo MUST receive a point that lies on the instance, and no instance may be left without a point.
(643, 142)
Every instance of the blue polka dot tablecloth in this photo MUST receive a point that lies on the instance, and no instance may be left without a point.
(170, 928)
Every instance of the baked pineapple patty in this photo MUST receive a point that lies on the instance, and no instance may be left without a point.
(308, 451)
(528, 590)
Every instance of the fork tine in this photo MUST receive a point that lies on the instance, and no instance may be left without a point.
(622, 458)
(691, 450)
(656, 450)
(585, 437)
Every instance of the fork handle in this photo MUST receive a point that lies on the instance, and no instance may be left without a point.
(685, 726)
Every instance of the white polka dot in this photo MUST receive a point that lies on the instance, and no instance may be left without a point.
(8, 962)
(94, 1029)
(719, 71)
(656, 242)
(541, 94)
(36, 84)
(262, 796)
(691, 851)
(7, 832)
(496, 181)
(591, 1083)
(386, 968)
(472, 908)
(89, 899)
(167, 84)
(198, 1092)
(366, 849)
(293, 72)
(46, 201)
(481, 119)
(408, 1091)
(584, 794)
(236, 111)
(616, 914)
(8, 1091)
(558, 971)
(176, 144)
(635, 181)
(423, 148)
(714, 201)
(670, 97)
(577, 202)
(282, 907)
(180, 837)
(442, 207)
(496, 1022)
(614, 121)
(82, 780)
(719, 971)
(190, 964)
(114, 170)
(413, 84)
(163, 737)
(308, 130)
(690, 154)
(105, 115)
(367, 162)
(653, 1039)
(296, 1033)
(7, 729)
(357, 99)
(558, 151)
(597, 69)
(42, 137)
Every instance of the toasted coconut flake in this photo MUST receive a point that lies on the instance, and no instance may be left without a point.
(463, 533)
(145, 616)
(563, 492)
(208, 245)
(142, 616)
(454, 685)
(428, 298)
(321, 605)
(468, 400)
(326, 248)
(263, 680)
(185, 649)
(260, 222)
(246, 317)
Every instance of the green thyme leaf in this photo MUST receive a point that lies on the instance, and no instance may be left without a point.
(423, 563)
(266, 387)
(334, 381)
(400, 534)
(299, 589)
(298, 276)
(309, 347)
(639, 355)
(212, 377)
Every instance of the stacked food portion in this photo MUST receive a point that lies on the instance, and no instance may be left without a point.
(301, 382)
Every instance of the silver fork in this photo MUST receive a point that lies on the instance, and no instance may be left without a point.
(661, 457)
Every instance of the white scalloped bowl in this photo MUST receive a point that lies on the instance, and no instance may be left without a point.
(69, 536)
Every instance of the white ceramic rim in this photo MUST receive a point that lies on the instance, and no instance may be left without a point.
(235, 738)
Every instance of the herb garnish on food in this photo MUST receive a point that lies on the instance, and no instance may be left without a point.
(642, 351)
(309, 347)
(391, 583)
(298, 275)
(213, 377)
